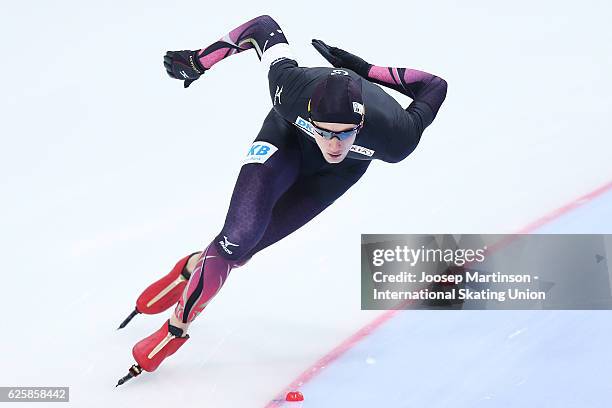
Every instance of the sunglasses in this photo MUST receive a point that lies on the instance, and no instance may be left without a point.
(329, 135)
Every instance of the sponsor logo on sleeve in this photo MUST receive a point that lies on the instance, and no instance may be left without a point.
(259, 152)
(362, 150)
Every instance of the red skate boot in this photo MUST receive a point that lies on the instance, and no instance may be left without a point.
(162, 294)
(151, 351)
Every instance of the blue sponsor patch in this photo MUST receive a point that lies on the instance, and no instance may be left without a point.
(259, 152)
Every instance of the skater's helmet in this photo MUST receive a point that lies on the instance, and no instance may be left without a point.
(337, 99)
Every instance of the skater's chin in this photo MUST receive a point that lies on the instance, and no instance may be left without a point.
(334, 158)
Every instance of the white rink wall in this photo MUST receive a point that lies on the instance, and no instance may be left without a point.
(111, 171)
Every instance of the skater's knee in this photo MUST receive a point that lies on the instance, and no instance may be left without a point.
(235, 246)
(240, 235)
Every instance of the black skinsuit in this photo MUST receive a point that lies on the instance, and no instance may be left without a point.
(285, 180)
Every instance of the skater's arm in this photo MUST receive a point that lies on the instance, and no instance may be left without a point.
(262, 33)
(428, 91)
(418, 85)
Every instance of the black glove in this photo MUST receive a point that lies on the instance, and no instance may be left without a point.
(342, 59)
(183, 65)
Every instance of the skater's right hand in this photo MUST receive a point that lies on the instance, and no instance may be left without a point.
(183, 65)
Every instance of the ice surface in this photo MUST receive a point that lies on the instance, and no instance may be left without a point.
(479, 358)
(593, 217)
(473, 359)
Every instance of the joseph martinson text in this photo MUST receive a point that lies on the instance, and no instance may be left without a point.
(449, 291)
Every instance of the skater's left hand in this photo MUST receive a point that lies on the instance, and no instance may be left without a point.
(183, 65)
(342, 59)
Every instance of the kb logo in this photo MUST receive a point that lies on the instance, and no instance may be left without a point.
(259, 152)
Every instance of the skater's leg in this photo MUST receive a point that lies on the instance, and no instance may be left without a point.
(261, 181)
(308, 197)
(303, 201)
(269, 170)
